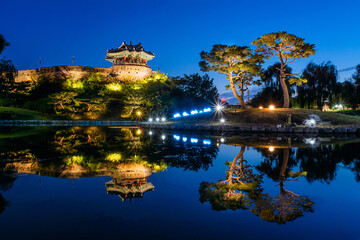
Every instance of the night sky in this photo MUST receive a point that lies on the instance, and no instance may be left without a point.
(176, 31)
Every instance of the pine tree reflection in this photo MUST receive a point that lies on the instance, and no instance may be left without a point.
(287, 206)
(234, 192)
(242, 190)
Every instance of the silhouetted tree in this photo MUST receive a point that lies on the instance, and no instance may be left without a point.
(3, 43)
(321, 84)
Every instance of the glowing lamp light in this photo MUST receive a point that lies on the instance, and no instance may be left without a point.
(151, 120)
(271, 148)
(177, 115)
(312, 141)
(184, 139)
(223, 100)
(138, 113)
(222, 140)
(207, 110)
(219, 107)
(222, 120)
(185, 114)
(312, 121)
(206, 142)
(194, 112)
(271, 107)
(201, 112)
(138, 132)
(157, 119)
(150, 133)
(260, 107)
(194, 140)
(163, 119)
(177, 138)
(163, 137)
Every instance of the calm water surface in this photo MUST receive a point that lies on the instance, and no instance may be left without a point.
(91, 183)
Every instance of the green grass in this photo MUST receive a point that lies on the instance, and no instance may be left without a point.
(266, 117)
(21, 132)
(12, 113)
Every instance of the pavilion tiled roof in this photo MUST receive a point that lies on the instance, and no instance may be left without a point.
(130, 48)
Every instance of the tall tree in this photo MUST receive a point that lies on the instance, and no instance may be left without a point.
(287, 48)
(238, 63)
(321, 83)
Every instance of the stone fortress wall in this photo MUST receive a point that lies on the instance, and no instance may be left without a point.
(129, 72)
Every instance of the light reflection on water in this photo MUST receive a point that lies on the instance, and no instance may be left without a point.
(96, 183)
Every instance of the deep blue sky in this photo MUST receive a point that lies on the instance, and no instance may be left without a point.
(176, 31)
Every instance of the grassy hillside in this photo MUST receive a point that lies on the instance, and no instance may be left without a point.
(266, 117)
(11, 113)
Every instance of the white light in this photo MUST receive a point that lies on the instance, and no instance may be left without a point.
(163, 137)
(340, 106)
(207, 141)
(184, 139)
(201, 112)
(177, 138)
(222, 140)
(185, 114)
(150, 133)
(194, 140)
(219, 107)
(177, 115)
(194, 112)
(207, 109)
(271, 148)
(271, 107)
(222, 120)
(312, 121)
(163, 119)
(312, 141)
(157, 119)
(150, 119)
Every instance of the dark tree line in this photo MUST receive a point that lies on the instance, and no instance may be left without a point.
(322, 90)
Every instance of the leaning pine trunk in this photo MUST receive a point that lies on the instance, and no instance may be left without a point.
(232, 86)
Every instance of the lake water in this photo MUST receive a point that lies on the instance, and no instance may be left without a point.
(127, 183)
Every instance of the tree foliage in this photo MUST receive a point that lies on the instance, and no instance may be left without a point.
(238, 63)
(321, 85)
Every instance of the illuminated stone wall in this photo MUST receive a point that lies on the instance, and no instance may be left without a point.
(118, 72)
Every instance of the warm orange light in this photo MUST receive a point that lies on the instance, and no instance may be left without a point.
(271, 107)
(271, 148)
(260, 107)
(138, 113)
(138, 132)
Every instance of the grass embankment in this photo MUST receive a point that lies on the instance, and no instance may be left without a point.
(12, 113)
(266, 117)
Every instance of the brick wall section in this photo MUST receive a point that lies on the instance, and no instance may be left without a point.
(118, 72)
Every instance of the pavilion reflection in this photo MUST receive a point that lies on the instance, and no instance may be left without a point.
(130, 181)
